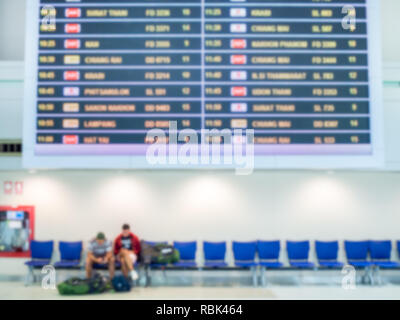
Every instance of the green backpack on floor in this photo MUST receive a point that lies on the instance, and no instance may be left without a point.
(79, 286)
(74, 286)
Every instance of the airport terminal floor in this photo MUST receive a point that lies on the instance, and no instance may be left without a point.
(391, 292)
(199, 150)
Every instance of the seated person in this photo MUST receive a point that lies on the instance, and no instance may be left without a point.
(127, 249)
(100, 252)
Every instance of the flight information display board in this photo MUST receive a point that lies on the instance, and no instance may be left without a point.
(304, 75)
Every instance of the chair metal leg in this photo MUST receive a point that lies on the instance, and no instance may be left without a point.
(368, 278)
(359, 279)
(376, 272)
(264, 276)
(364, 278)
(30, 277)
(147, 276)
(35, 277)
(254, 273)
(300, 278)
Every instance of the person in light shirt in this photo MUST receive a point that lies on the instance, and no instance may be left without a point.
(100, 252)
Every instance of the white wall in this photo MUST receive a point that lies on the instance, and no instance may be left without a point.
(186, 206)
(12, 29)
(390, 27)
(212, 205)
(11, 100)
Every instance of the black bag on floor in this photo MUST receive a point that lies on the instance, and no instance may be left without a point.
(99, 284)
(121, 284)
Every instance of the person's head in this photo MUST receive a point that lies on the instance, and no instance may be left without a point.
(100, 238)
(126, 230)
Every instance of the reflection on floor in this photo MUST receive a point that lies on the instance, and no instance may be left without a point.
(16, 290)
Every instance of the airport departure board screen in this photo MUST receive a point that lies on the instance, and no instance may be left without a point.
(298, 80)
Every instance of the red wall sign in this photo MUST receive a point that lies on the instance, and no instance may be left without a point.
(8, 187)
(19, 188)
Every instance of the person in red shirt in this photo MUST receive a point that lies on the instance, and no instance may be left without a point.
(127, 250)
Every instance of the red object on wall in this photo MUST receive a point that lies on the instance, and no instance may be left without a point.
(73, 28)
(31, 213)
(19, 187)
(72, 44)
(8, 187)
(72, 13)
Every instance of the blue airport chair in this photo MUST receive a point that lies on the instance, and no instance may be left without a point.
(187, 251)
(71, 254)
(244, 254)
(357, 256)
(41, 253)
(357, 253)
(268, 253)
(398, 247)
(380, 254)
(298, 252)
(214, 254)
(327, 254)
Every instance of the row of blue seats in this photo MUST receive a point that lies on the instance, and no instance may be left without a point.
(360, 254)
